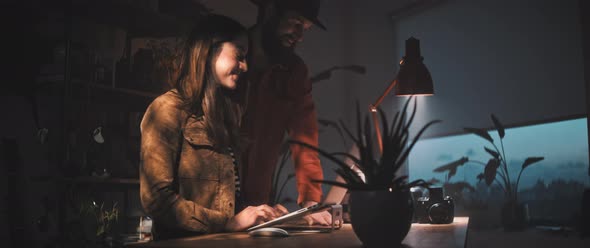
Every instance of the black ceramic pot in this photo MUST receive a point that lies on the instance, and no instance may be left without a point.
(514, 216)
(381, 218)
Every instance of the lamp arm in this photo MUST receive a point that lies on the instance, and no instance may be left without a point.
(373, 109)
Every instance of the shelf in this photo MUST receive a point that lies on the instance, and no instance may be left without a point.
(122, 90)
(97, 180)
(57, 80)
(139, 21)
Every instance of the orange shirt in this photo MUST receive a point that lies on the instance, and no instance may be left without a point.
(279, 102)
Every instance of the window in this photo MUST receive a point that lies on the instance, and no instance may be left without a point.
(560, 178)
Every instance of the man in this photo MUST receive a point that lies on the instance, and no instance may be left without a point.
(280, 101)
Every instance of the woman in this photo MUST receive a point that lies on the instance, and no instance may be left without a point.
(188, 177)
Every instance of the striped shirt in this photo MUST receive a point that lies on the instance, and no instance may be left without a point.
(238, 205)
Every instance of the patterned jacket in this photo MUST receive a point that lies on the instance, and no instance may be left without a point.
(185, 185)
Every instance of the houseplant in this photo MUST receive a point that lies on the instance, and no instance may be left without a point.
(381, 207)
(277, 190)
(101, 219)
(513, 213)
(457, 188)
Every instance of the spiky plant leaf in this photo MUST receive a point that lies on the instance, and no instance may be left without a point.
(386, 157)
(289, 177)
(346, 155)
(398, 126)
(416, 138)
(404, 111)
(333, 124)
(409, 122)
(350, 176)
(359, 127)
(379, 171)
(346, 185)
(368, 150)
(349, 133)
(392, 128)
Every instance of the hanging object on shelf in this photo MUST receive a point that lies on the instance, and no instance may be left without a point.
(97, 135)
(42, 135)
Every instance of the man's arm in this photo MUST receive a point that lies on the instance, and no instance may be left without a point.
(303, 127)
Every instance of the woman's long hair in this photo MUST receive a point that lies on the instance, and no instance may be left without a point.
(197, 86)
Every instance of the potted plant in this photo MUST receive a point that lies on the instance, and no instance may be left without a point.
(381, 206)
(453, 189)
(513, 213)
(102, 219)
(276, 193)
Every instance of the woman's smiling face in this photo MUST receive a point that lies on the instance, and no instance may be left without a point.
(231, 62)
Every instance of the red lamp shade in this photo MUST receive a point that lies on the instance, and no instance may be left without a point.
(413, 77)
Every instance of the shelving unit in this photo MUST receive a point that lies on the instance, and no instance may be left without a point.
(58, 82)
(86, 101)
(98, 180)
(122, 90)
(173, 17)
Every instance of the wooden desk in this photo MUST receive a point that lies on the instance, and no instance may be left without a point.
(420, 236)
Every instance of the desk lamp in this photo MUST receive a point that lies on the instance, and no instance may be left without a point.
(412, 79)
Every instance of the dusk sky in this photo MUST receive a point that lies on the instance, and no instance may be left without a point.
(563, 144)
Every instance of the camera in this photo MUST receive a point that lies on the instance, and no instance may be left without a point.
(435, 208)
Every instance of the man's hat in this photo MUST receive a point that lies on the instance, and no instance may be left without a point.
(306, 8)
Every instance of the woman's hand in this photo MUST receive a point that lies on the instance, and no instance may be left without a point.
(281, 209)
(254, 215)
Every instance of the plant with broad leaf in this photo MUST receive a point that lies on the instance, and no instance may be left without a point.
(380, 170)
(276, 190)
(454, 189)
(496, 169)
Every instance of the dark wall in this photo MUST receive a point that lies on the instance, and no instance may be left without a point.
(27, 193)
(585, 20)
(521, 60)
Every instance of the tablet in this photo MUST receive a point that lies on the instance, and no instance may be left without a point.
(301, 212)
